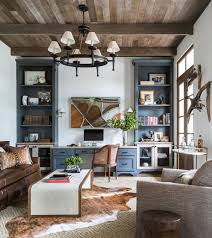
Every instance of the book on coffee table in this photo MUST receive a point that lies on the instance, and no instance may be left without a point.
(58, 179)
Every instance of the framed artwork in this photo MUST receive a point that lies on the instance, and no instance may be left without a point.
(34, 77)
(158, 136)
(92, 112)
(44, 97)
(147, 97)
(157, 78)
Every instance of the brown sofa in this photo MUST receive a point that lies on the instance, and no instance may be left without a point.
(14, 182)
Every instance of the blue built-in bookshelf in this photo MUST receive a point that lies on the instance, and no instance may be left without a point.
(153, 96)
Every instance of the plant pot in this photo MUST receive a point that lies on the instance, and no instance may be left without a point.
(125, 138)
(72, 169)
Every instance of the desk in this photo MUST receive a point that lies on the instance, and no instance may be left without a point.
(195, 155)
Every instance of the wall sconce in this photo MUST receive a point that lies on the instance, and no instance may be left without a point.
(130, 110)
(60, 112)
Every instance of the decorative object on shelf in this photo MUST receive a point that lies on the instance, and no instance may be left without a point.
(157, 78)
(34, 77)
(146, 82)
(196, 102)
(160, 100)
(44, 97)
(164, 139)
(200, 143)
(158, 136)
(33, 137)
(33, 101)
(36, 120)
(146, 97)
(24, 100)
(93, 111)
(126, 122)
(77, 59)
(60, 112)
(73, 163)
(46, 140)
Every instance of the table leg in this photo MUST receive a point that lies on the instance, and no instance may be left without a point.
(178, 160)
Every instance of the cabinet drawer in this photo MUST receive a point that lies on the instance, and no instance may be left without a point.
(127, 152)
(65, 152)
(84, 151)
(125, 165)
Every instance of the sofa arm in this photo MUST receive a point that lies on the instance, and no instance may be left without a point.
(169, 175)
(36, 160)
(193, 203)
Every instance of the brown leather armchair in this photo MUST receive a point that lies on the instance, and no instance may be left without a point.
(106, 157)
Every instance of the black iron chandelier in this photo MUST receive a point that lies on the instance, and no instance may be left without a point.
(73, 56)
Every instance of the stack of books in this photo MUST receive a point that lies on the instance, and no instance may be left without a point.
(59, 178)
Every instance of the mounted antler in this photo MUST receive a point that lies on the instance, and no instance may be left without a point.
(196, 101)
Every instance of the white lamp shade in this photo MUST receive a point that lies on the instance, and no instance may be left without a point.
(76, 52)
(67, 38)
(97, 52)
(61, 110)
(130, 110)
(92, 38)
(113, 47)
(54, 48)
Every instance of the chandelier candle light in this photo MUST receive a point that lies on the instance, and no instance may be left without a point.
(73, 56)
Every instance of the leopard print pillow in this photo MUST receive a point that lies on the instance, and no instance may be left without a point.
(22, 154)
(7, 160)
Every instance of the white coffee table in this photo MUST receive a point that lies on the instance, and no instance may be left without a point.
(59, 198)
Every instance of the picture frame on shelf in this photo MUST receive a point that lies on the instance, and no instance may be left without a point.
(157, 78)
(44, 97)
(34, 77)
(158, 136)
(33, 101)
(147, 97)
(24, 100)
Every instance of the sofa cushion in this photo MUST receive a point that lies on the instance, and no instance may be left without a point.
(7, 160)
(11, 175)
(203, 176)
(22, 154)
(185, 177)
(29, 169)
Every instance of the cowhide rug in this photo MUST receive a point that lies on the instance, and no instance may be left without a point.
(99, 205)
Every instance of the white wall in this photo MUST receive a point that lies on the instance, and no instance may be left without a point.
(202, 41)
(7, 95)
(119, 83)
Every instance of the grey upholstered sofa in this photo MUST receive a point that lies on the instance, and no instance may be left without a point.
(193, 203)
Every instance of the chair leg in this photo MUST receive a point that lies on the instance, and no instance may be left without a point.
(105, 171)
(109, 173)
(116, 173)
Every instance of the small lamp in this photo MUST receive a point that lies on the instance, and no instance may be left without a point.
(130, 110)
(60, 112)
(97, 52)
(92, 38)
(76, 52)
(67, 38)
(54, 48)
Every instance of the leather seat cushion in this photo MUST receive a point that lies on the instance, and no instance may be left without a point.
(29, 169)
(11, 175)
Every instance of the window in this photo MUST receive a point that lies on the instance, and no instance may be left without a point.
(185, 128)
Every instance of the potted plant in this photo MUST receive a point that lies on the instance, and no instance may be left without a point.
(72, 164)
(126, 123)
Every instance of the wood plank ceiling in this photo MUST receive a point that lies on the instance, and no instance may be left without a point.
(141, 27)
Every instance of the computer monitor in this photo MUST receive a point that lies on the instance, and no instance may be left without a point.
(93, 135)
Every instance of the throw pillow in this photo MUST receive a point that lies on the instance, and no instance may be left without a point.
(185, 177)
(203, 176)
(7, 160)
(2, 149)
(22, 154)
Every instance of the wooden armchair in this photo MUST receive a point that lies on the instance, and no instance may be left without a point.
(106, 157)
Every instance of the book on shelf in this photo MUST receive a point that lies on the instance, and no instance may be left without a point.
(154, 120)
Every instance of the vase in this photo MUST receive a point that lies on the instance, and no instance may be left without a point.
(125, 138)
(72, 169)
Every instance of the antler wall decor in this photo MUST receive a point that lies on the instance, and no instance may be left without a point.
(196, 102)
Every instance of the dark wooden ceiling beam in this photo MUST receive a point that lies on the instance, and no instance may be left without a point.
(138, 28)
(125, 51)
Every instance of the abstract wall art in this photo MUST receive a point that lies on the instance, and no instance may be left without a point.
(92, 112)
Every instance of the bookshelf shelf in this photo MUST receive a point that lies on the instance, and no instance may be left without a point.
(36, 125)
(154, 85)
